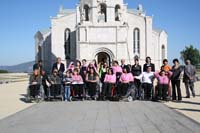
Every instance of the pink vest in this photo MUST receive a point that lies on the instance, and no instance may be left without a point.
(77, 78)
(110, 78)
(126, 77)
(117, 69)
(163, 79)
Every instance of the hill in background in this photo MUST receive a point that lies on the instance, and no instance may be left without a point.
(23, 67)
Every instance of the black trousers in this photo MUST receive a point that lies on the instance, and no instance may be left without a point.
(45, 90)
(78, 89)
(162, 91)
(176, 86)
(107, 89)
(55, 90)
(122, 89)
(137, 83)
(92, 87)
(138, 88)
(147, 90)
(34, 90)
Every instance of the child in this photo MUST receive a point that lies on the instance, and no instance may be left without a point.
(67, 83)
(77, 83)
(163, 83)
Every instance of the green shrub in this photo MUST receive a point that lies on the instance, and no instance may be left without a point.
(3, 71)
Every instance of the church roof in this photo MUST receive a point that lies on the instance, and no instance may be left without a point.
(66, 11)
(41, 33)
(136, 12)
(45, 31)
(158, 30)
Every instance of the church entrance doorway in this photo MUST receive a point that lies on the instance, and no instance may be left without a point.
(103, 57)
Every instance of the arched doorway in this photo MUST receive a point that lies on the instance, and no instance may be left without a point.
(103, 57)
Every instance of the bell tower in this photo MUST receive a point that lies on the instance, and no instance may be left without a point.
(101, 11)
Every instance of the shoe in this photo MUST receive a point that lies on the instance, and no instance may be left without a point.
(187, 97)
(179, 101)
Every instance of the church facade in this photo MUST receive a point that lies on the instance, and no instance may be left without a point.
(104, 30)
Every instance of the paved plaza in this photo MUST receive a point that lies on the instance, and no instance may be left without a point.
(95, 116)
(98, 117)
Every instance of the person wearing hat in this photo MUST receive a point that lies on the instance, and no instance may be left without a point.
(148, 63)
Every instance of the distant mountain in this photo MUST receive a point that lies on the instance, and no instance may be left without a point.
(23, 67)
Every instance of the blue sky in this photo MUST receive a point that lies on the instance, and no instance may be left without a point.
(21, 19)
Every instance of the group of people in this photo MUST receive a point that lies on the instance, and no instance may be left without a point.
(101, 81)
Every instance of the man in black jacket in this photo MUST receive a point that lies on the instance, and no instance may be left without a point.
(59, 66)
(123, 63)
(38, 65)
(147, 64)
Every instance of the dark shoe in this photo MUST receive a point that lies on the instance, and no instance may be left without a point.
(179, 99)
(173, 99)
(187, 97)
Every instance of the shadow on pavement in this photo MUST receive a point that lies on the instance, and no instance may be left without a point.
(23, 99)
(186, 109)
(189, 102)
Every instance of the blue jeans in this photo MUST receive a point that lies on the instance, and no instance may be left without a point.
(67, 92)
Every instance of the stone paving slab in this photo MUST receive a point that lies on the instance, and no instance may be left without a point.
(12, 98)
(98, 117)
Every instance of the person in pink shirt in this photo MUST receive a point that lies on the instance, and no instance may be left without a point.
(71, 67)
(77, 84)
(163, 83)
(125, 79)
(116, 68)
(109, 82)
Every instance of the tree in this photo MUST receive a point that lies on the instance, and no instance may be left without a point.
(191, 53)
(3, 71)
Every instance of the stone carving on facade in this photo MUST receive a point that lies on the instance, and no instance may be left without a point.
(101, 17)
(67, 32)
(82, 14)
(101, 1)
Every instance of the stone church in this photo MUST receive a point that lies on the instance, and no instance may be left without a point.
(104, 30)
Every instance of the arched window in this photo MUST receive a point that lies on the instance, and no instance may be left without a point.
(117, 15)
(67, 43)
(87, 11)
(163, 52)
(103, 11)
(136, 41)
